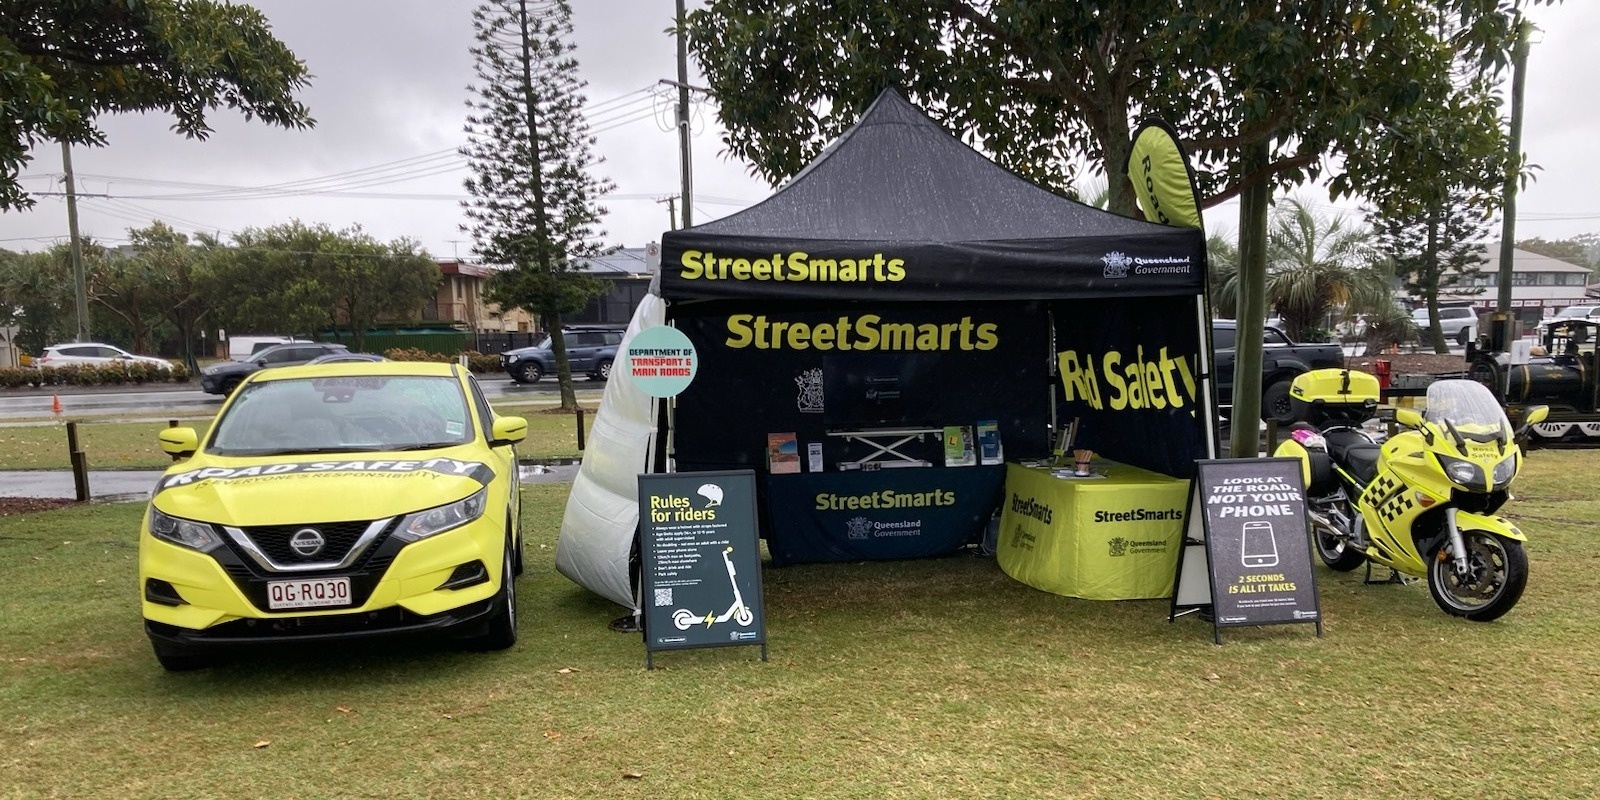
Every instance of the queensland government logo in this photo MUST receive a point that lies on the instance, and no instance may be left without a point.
(1116, 264)
(859, 528)
(808, 396)
(1119, 546)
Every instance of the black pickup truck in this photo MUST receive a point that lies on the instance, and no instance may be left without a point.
(1281, 361)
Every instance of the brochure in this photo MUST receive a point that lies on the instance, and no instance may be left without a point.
(783, 453)
(814, 453)
(989, 448)
(958, 446)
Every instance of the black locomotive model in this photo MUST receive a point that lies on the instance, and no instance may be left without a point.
(1559, 372)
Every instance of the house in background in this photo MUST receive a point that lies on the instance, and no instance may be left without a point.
(1540, 285)
(628, 272)
(459, 299)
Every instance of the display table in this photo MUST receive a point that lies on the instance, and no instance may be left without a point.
(1115, 536)
(878, 514)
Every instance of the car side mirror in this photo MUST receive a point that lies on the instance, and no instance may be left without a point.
(178, 442)
(1408, 418)
(508, 430)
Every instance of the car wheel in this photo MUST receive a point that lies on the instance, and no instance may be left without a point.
(1275, 403)
(229, 385)
(602, 372)
(1463, 336)
(528, 373)
(502, 631)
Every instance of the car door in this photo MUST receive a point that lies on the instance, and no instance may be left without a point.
(581, 348)
(1222, 344)
(505, 456)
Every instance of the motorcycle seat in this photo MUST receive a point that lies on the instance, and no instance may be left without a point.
(1353, 450)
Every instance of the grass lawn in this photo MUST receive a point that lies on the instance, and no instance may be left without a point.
(938, 678)
(128, 445)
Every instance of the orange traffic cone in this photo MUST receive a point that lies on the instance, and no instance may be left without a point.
(55, 404)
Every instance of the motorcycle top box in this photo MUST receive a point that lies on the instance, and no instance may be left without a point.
(1334, 395)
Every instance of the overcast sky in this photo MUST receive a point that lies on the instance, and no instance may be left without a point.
(388, 94)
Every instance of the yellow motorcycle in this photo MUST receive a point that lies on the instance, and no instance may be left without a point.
(1423, 502)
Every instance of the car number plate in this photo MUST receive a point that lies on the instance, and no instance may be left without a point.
(308, 593)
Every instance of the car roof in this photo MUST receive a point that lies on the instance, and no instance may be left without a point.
(359, 368)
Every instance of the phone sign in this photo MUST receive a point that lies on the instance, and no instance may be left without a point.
(1257, 542)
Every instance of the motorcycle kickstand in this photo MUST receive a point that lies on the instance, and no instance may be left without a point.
(1394, 577)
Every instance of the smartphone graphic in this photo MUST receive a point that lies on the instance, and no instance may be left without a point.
(1259, 548)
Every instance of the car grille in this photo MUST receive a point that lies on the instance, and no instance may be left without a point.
(338, 538)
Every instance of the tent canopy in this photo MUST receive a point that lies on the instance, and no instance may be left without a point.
(898, 209)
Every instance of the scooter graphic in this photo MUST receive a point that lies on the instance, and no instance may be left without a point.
(738, 612)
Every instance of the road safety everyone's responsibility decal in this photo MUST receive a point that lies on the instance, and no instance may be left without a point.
(444, 466)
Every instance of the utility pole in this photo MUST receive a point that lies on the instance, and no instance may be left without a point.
(79, 279)
(672, 212)
(683, 121)
(1508, 231)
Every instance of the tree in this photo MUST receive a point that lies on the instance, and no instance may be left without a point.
(1437, 248)
(1317, 264)
(179, 278)
(533, 205)
(36, 296)
(1266, 90)
(125, 285)
(1583, 249)
(65, 62)
(298, 278)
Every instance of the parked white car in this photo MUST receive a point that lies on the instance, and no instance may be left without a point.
(1577, 312)
(1460, 324)
(61, 355)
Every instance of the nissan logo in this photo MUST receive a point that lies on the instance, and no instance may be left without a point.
(307, 541)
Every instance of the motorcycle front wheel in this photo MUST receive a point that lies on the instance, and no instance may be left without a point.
(1496, 575)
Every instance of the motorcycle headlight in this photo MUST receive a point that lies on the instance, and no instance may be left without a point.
(1462, 472)
(1505, 470)
(183, 532)
(442, 518)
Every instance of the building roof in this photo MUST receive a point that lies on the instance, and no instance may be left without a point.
(1524, 260)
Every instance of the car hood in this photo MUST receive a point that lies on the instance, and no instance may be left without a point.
(231, 367)
(522, 351)
(337, 488)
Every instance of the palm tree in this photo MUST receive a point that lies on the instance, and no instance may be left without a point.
(1318, 263)
(1222, 275)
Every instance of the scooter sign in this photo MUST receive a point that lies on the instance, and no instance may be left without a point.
(700, 559)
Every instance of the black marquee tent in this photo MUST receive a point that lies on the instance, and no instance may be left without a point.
(898, 220)
(903, 281)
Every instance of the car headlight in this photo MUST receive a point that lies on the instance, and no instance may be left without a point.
(1505, 470)
(183, 532)
(1462, 472)
(442, 518)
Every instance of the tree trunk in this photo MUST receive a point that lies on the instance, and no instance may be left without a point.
(1245, 439)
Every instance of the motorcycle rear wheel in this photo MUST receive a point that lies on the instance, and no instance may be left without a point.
(1497, 574)
(1334, 550)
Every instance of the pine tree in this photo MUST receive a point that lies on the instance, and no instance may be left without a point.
(534, 206)
(1437, 249)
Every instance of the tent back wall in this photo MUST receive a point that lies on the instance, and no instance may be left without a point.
(950, 363)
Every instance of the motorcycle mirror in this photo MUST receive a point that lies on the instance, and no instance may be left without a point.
(1535, 415)
(1408, 417)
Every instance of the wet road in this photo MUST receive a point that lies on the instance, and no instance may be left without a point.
(187, 402)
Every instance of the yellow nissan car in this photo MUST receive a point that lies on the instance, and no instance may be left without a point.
(335, 501)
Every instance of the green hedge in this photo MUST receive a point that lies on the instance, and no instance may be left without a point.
(476, 361)
(91, 375)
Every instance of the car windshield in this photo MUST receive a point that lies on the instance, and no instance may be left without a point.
(1575, 312)
(342, 415)
(1468, 409)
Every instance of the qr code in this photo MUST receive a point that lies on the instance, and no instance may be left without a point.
(664, 597)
